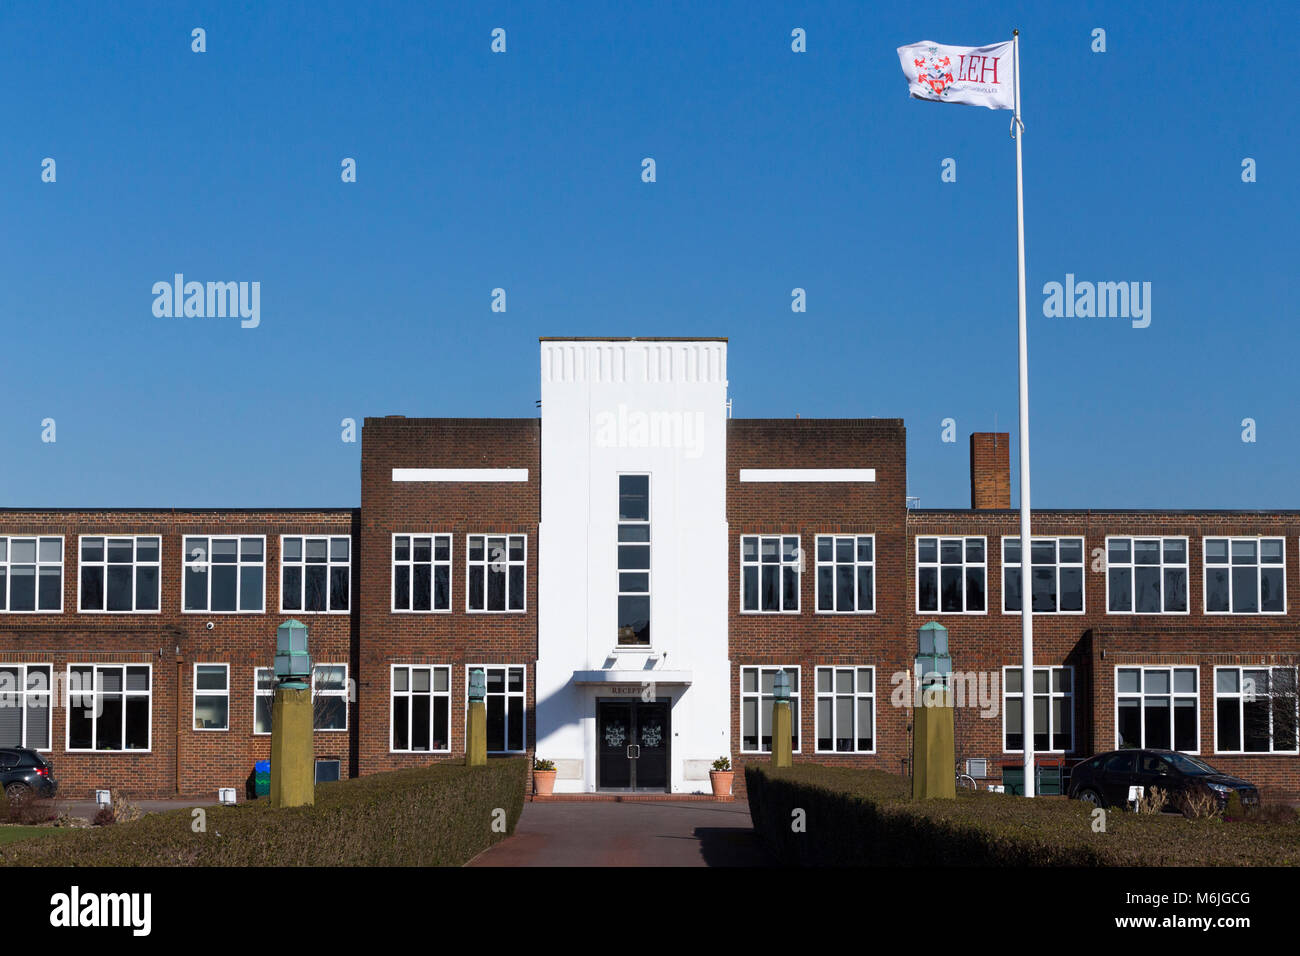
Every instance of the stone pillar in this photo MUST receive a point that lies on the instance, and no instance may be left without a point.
(781, 729)
(476, 735)
(934, 755)
(293, 778)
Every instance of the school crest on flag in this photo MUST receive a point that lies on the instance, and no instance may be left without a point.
(973, 75)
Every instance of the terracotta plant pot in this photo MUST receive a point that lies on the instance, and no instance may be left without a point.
(721, 781)
(544, 782)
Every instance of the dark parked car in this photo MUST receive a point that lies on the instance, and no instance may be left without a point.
(1104, 780)
(25, 773)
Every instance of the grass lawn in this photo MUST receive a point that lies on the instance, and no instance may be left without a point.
(12, 834)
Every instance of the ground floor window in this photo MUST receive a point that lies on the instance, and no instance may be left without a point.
(263, 698)
(211, 697)
(329, 696)
(421, 709)
(25, 711)
(506, 706)
(109, 706)
(756, 703)
(846, 710)
(1053, 697)
(1157, 708)
(1255, 709)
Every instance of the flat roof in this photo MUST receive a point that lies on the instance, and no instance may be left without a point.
(631, 338)
(1005, 512)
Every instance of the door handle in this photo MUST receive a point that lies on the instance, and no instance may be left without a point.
(633, 751)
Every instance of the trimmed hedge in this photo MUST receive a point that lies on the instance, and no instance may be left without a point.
(440, 815)
(868, 818)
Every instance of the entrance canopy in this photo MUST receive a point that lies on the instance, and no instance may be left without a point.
(630, 678)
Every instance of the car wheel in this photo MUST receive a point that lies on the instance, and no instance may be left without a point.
(1088, 795)
(18, 792)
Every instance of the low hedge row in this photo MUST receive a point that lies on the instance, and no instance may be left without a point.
(867, 818)
(440, 815)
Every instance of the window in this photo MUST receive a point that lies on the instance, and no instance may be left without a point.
(420, 719)
(120, 574)
(225, 575)
(951, 575)
(329, 696)
(505, 707)
(108, 706)
(421, 572)
(314, 574)
(846, 710)
(634, 559)
(263, 698)
(1056, 577)
(1245, 576)
(495, 571)
(25, 710)
(211, 697)
(1255, 710)
(846, 573)
(769, 569)
(756, 703)
(1157, 708)
(31, 574)
(1053, 696)
(1146, 575)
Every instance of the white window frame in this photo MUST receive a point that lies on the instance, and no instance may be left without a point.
(781, 564)
(1131, 566)
(521, 695)
(858, 697)
(487, 562)
(1051, 695)
(1026, 585)
(834, 563)
(330, 565)
(1259, 576)
(187, 561)
(68, 692)
(1239, 697)
(135, 565)
(7, 591)
(938, 566)
(259, 693)
(196, 694)
(409, 694)
(1141, 696)
(341, 693)
(649, 549)
(22, 693)
(744, 695)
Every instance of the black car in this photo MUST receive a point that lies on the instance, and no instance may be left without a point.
(25, 773)
(1104, 780)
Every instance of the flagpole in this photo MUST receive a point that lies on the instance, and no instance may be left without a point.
(1026, 557)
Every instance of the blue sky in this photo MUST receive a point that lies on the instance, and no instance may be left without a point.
(775, 170)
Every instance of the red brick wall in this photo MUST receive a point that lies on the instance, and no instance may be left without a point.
(990, 470)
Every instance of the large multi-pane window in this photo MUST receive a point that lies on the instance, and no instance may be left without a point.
(25, 711)
(1245, 575)
(494, 568)
(121, 574)
(1056, 575)
(108, 706)
(1255, 710)
(846, 573)
(1053, 697)
(1146, 575)
(421, 572)
(756, 703)
(31, 574)
(769, 573)
(211, 696)
(224, 575)
(951, 575)
(421, 709)
(846, 710)
(315, 573)
(329, 696)
(506, 707)
(633, 559)
(1157, 708)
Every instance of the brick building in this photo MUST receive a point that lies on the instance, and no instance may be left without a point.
(631, 569)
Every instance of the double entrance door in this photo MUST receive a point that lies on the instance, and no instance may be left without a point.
(632, 745)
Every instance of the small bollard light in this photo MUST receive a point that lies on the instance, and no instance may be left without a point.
(292, 662)
(477, 685)
(781, 686)
(933, 663)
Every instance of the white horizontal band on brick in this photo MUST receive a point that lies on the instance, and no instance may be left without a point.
(807, 474)
(460, 474)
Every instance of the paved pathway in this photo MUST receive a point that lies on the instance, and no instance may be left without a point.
(629, 834)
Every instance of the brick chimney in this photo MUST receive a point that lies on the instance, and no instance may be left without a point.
(990, 470)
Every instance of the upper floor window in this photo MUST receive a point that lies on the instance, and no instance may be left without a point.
(1255, 710)
(120, 574)
(315, 573)
(1157, 708)
(495, 572)
(846, 573)
(1146, 575)
(633, 559)
(31, 574)
(421, 572)
(224, 575)
(1056, 575)
(1245, 575)
(1053, 702)
(769, 573)
(951, 575)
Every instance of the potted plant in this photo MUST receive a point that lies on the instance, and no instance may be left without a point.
(720, 777)
(544, 777)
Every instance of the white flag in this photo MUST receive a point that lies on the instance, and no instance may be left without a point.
(975, 75)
